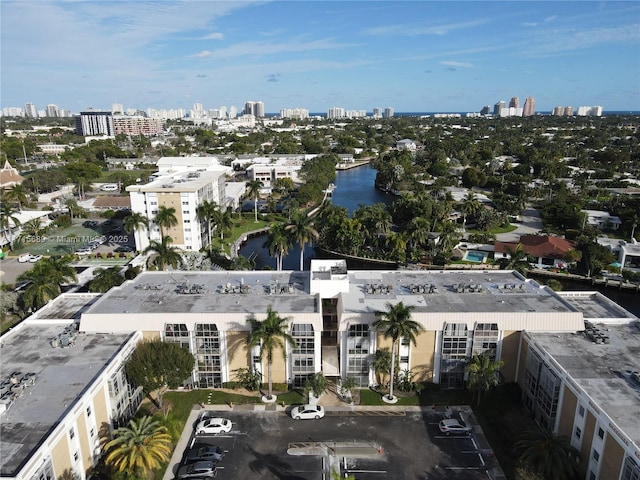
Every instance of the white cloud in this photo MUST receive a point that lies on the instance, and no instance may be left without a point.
(214, 36)
(551, 18)
(266, 48)
(407, 30)
(456, 64)
(203, 54)
(530, 24)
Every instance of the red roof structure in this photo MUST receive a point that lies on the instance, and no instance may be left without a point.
(542, 246)
(9, 176)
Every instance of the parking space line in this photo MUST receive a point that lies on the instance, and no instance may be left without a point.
(481, 459)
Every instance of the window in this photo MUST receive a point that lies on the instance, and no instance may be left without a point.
(185, 212)
(404, 359)
(578, 432)
(92, 433)
(601, 433)
(630, 470)
(186, 220)
(76, 456)
(592, 476)
(89, 411)
(581, 411)
(72, 433)
(596, 455)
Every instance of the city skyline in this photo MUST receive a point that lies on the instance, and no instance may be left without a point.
(449, 57)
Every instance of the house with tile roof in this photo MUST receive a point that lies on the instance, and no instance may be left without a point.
(549, 251)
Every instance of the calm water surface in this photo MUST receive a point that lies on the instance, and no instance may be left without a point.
(353, 188)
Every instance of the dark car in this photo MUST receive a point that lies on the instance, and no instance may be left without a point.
(123, 248)
(198, 470)
(208, 452)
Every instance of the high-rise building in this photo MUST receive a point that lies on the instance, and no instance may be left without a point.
(486, 110)
(233, 111)
(94, 123)
(248, 108)
(514, 102)
(529, 107)
(132, 125)
(377, 112)
(388, 112)
(223, 111)
(258, 109)
(117, 109)
(497, 108)
(335, 112)
(294, 113)
(30, 110)
(52, 111)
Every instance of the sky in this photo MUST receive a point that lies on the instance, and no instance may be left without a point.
(415, 56)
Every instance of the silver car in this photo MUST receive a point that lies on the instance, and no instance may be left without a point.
(200, 470)
(454, 426)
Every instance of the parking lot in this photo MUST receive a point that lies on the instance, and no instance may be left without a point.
(385, 444)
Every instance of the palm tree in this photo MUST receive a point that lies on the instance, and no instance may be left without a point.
(396, 323)
(482, 371)
(548, 454)
(32, 227)
(140, 447)
(278, 243)
(517, 261)
(225, 222)
(105, 279)
(397, 245)
(381, 364)
(45, 279)
(470, 206)
(166, 255)
(134, 223)
(165, 218)
(17, 194)
(253, 190)
(8, 221)
(269, 334)
(208, 212)
(302, 231)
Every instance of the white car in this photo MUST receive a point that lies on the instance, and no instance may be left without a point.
(456, 427)
(35, 258)
(213, 425)
(307, 412)
(84, 251)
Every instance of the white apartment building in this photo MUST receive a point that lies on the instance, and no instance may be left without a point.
(294, 113)
(183, 191)
(336, 112)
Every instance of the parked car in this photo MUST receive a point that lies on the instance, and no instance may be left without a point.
(24, 258)
(201, 470)
(124, 249)
(35, 258)
(200, 453)
(307, 412)
(84, 251)
(454, 426)
(213, 426)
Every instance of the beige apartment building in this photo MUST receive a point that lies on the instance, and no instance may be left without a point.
(577, 378)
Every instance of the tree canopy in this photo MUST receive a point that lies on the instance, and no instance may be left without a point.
(156, 366)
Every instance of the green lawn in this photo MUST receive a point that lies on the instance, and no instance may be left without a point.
(241, 226)
(495, 230)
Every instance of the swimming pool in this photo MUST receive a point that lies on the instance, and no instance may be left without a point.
(475, 256)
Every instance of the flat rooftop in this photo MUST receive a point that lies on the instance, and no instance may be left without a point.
(289, 292)
(603, 370)
(179, 182)
(453, 291)
(210, 292)
(69, 306)
(55, 377)
(596, 306)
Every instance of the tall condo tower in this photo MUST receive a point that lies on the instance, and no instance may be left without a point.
(514, 102)
(529, 107)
